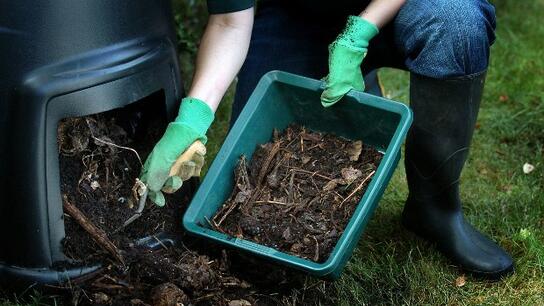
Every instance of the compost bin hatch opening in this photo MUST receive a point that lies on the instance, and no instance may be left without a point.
(100, 157)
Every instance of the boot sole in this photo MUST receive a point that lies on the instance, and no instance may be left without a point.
(484, 275)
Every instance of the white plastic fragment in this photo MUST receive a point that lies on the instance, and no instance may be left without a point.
(95, 185)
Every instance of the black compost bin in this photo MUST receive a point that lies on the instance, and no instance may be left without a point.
(59, 59)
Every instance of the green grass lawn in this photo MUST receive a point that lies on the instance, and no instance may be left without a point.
(392, 266)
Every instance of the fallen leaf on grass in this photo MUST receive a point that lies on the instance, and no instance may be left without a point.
(460, 281)
(528, 168)
(503, 98)
(507, 188)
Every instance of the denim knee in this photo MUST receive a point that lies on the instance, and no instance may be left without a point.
(445, 38)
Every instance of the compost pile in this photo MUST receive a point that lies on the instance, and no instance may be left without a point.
(151, 261)
(299, 192)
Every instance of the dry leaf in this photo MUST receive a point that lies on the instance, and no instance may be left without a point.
(242, 196)
(460, 281)
(138, 302)
(286, 234)
(330, 185)
(101, 298)
(168, 294)
(528, 168)
(273, 180)
(311, 136)
(296, 247)
(350, 174)
(139, 188)
(354, 150)
(240, 302)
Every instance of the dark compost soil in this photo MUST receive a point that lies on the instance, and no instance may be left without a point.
(163, 266)
(299, 192)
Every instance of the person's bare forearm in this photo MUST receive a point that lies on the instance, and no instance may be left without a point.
(380, 12)
(222, 52)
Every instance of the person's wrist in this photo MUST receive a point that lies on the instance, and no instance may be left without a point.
(358, 32)
(196, 114)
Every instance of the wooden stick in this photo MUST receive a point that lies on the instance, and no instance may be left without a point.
(358, 188)
(241, 178)
(316, 255)
(315, 173)
(266, 164)
(97, 234)
(272, 202)
(264, 170)
(290, 195)
(232, 206)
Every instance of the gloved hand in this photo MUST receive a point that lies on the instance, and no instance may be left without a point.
(191, 124)
(346, 54)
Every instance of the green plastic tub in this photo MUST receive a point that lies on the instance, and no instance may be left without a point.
(282, 98)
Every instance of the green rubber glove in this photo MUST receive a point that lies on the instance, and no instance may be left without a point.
(191, 124)
(346, 54)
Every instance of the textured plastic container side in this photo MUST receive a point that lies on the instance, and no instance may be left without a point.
(280, 99)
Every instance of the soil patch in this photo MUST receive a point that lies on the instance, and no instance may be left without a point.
(162, 266)
(299, 192)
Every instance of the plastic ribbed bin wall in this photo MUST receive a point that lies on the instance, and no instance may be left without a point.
(59, 59)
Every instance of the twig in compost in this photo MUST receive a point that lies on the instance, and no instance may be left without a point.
(141, 206)
(266, 164)
(316, 255)
(118, 146)
(213, 224)
(314, 146)
(242, 182)
(315, 173)
(205, 297)
(160, 242)
(113, 144)
(209, 222)
(290, 196)
(227, 213)
(272, 202)
(117, 284)
(358, 188)
(264, 170)
(97, 234)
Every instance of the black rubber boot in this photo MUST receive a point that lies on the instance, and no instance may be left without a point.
(437, 146)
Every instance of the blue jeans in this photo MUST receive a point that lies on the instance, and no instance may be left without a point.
(435, 38)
